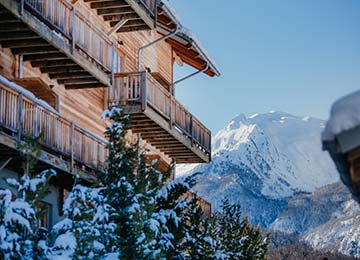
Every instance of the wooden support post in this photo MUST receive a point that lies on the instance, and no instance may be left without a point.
(71, 146)
(117, 26)
(4, 163)
(144, 90)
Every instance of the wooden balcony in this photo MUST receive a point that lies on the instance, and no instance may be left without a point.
(59, 40)
(66, 145)
(126, 15)
(160, 119)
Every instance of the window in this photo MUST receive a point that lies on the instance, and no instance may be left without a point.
(44, 219)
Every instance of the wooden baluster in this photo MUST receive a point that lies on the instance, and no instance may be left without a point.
(36, 130)
(71, 146)
(21, 7)
(170, 112)
(113, 64)
(144, 91)
(20, 115)
(191, 130)
(72, 29)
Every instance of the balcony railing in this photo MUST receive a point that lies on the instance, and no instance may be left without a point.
(25, 115)
(140, 88)
(75, 28)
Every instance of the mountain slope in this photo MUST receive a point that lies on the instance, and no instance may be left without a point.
(263, 160)
(272, 164)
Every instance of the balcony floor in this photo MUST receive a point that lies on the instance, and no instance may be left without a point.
(158, 132)
(124, 15)
(45, 49)
(10, 159)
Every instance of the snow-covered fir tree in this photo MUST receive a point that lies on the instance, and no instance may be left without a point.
(84, 231)
(232, 237)
(20, 235)
(146, 206)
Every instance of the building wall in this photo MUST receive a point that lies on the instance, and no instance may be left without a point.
(85, 107)
(52, 198)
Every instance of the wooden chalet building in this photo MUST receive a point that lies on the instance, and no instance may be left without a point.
(62, 62)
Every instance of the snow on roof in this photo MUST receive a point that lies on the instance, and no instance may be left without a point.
(344, 115)
(189, 35)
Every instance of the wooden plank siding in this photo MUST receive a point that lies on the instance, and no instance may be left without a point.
(85, 106)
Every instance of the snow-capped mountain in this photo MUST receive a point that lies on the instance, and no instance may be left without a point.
(273, 164)
(263, 160)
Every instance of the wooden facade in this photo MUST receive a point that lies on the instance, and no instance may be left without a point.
(73, 49)
(63, 62)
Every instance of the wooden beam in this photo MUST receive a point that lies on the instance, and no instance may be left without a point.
(24, 43)
(35, 50)
(8, 18)
(118, 17)
(108, 4)
(143, 129)
(69, 75)
(128, 23)
(133, 28)
(134, 122)
(80, 80)
(85, 85)
(150, 137)
(117, 26)
(21, 35)
(170, 145)
(117, 10)
(14, 26)
(53, 63)
(61, 69)
(44, 57)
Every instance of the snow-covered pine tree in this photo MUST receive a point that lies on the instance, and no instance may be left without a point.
(85, 229)
(233, 237)
(196, 246)
(119, 181)
(172, 212)
(20, 236)
(147, 209)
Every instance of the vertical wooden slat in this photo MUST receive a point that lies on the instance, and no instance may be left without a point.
(20, 115)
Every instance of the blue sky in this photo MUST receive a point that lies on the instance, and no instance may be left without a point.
(296, 56)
